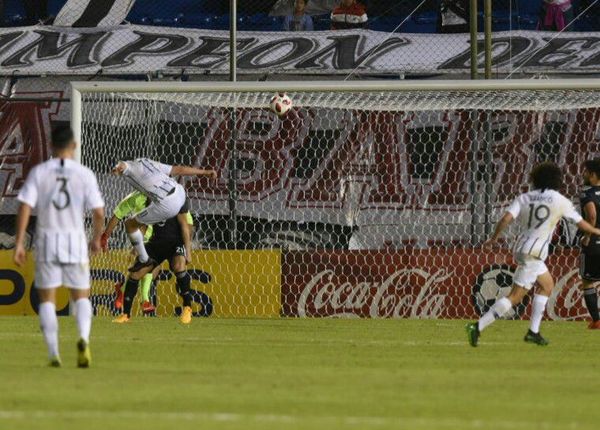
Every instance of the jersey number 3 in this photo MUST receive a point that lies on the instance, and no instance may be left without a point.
(62, 199)
(538, 213)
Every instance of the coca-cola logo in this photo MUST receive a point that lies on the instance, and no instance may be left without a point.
(566, 300)
(406, 293)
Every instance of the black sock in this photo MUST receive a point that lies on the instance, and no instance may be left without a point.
(591, 302)
(131, 287)
(183, 287)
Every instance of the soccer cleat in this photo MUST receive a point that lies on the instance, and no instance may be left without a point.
(120, 295)
(123, 318)
(148, 307)
(55, 362)
(594, 325)
(84, 356)
(138, 265)
(536, 338)
(473, 333)
(186, 315)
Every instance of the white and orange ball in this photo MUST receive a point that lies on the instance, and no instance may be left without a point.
(280, 104)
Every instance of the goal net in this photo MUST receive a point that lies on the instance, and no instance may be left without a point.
(365, 200)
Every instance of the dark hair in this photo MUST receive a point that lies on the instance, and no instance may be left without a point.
(62, 136)
(593, 166)
(546, 176)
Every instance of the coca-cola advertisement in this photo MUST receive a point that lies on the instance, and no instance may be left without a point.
(416, 283)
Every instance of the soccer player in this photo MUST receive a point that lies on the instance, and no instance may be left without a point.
(170, 241)
(589, 269)
(133, 203)
(153, 179)
(537, 213)
(61, 190)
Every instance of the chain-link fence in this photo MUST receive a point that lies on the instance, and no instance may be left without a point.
(267, 15)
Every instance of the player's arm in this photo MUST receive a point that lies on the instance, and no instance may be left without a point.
(501, 226)
(588, 228)
(590, 215)
(186, 233)
(193, 171)
(95, 202)
(23, 217)
(97, 226)
(112, 224)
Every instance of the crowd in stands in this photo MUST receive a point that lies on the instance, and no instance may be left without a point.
(445, 16)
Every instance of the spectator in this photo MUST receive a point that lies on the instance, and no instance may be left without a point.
(36, 11)
(555, 15)
(299, 20)
(349, 14)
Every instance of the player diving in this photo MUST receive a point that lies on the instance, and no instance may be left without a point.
(166, 195)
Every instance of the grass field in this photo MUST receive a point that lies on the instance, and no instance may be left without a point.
(300, 374)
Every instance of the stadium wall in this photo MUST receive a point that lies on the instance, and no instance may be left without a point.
(410, 283)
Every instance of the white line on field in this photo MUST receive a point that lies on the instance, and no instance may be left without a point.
(283, 418)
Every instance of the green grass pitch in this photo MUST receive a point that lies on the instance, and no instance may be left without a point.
(300, 374)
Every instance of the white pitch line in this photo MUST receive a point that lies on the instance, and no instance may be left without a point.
(398, 422)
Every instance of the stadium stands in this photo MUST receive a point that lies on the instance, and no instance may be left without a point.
(253, 15)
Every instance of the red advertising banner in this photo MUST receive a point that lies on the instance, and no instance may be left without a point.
(411, 283)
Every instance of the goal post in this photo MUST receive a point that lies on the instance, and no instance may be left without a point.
(367, 199)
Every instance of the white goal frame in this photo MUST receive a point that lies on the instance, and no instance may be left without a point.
(78, 88)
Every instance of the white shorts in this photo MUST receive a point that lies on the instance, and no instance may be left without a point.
(528, 270)
(164, 209)
(70, 275)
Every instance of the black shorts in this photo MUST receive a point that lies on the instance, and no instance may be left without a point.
(160, 251)
(589, 266)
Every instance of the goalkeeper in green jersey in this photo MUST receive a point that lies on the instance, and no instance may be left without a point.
(132, 204)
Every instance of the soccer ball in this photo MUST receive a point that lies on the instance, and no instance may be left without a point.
(280, 104)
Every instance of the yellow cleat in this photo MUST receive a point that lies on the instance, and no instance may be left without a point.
(84, 356)
(186, 315)
(55, 362)
(123, 318)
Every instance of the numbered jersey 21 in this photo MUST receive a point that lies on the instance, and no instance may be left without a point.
(537, 213)
(60, 191)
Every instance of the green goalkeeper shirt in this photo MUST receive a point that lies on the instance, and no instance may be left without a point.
(134, 203)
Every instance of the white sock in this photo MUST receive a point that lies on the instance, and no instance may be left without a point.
(49, 326)
(83, 316)
(137, 240)
(537, 312)
(498, 310)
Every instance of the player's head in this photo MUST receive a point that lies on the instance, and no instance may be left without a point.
(546, 176)
(591, 172)
(63, 139)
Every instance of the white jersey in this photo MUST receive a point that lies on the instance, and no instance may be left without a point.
(151, 178)
(61, 190)
(537, 213)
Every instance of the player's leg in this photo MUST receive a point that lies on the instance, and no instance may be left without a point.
(76, 277)
(524, 278)
(183, 283)
(146, 284)
(136, 237)
(153, 214)
(49, 323)
(47, 279)
(589, 270)
(545, 285)
(156, 253)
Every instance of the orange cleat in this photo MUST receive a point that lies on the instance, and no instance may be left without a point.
(186, 315)
(121, 319)
(594, 325)
(120, 295)
(148, 307)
